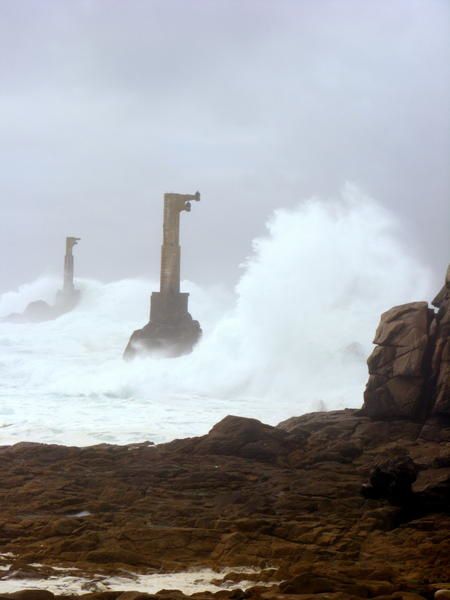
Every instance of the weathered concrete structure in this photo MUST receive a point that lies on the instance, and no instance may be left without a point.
(68, 264)
(171, 330)
(66, 299)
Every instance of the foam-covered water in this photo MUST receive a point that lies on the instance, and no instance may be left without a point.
(293, 337)
(67, 581)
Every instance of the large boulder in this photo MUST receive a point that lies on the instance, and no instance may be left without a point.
(168, 339)
(247, 438)
(409, 369)
(397, 365)
(241, 437)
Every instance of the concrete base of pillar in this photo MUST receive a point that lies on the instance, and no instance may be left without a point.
(171, 331)
(168, 308)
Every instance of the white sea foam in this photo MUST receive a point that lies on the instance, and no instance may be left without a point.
(187, 581)
(293, 338)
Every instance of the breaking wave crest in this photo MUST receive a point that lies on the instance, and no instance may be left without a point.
(292, 338)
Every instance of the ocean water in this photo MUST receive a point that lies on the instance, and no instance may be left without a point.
(292, 337)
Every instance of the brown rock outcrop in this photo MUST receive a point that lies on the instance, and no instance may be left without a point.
(409, 370)
(246, 494)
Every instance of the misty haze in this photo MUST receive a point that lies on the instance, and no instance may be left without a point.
(318, 135)
(224, 299)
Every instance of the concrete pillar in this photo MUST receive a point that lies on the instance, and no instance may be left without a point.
(68, 286)
(174, 204)
(171, 330)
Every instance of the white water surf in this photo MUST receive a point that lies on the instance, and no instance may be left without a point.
(293, 337)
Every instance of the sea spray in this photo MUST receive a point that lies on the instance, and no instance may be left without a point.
(292, 338)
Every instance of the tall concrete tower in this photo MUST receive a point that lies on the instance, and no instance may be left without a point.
(68, 297)
(68, 286)
(171, 330)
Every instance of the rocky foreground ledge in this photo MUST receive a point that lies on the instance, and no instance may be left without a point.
(340, 505)
(287, 498)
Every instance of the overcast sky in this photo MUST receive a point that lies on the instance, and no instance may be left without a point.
(107, 104)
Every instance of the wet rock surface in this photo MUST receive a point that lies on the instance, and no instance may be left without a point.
(168, 339)
(246, 494)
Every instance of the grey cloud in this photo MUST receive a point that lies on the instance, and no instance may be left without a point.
(105, 106)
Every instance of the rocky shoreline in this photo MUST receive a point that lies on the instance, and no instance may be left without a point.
(284, 498)
(335, 505)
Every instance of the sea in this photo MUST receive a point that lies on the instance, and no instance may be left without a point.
(290, 337)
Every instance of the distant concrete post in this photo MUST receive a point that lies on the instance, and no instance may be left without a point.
(171, 329)
(68, 286)
(66, 299)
